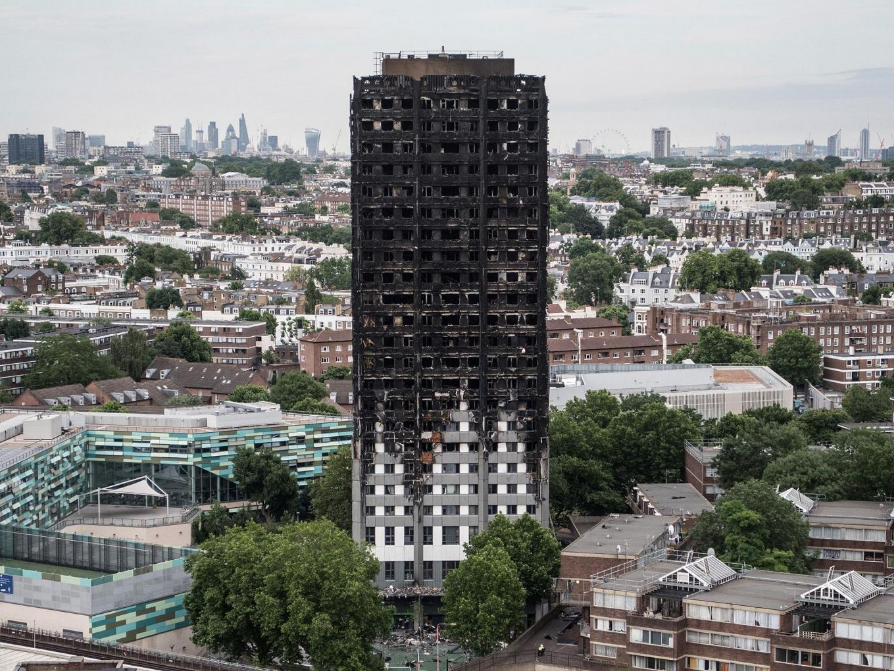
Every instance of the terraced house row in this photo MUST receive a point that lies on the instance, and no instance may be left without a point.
(731, 226)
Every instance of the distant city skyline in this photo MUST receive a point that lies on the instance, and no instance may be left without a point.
(698, 69)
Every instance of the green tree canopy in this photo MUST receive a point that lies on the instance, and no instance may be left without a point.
(796, 357)
(333, 273)
(269, 319)
(61, 228)
(753, 525)
(821, 426)
(330, 495)
(753, 448)
(68, 359)
(617, 313)
(105, 260)
(483, 600)
(182, 341)
(784, 262)
(312, 297)
(707, 272)
(249, 393)
(533, 549)
(337, 373)
(264, 479)
(833, 257)
(305, 588)
(294, 387)
(591, 279)
(163, 298)
(12, 329)
(810, 471)
(236, 223)
(132, 353)
(137, 270)
(716, 345)
(867, 406)
(17, 307)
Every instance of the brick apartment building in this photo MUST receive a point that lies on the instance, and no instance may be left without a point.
(616, 349)
(214, 382)
(204, 209)
(675, 611)
(321, 349)
(698, 467)
(590, 327)
(237, 343)
(841, 371)
(31, 281)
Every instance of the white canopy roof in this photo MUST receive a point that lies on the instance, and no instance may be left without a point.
(140, 486)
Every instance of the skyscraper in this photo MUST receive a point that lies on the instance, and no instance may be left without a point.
(230, 145)
(25, 148)
(722, 145)
(96, 140)
(212, 135)
(312, 140)
(168, 144)
(157, 132)
(273, 141)
(451, 394)
(186, 136)
(864, 144)
(75, 144)
(199, 144)
(833, 145)
(243, 133)
(661, 142)
(59, 140)
(583, 147)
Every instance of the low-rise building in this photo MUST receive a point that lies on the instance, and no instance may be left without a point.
(32, 281)
(841, 371)
(214, 382)
(322, 349)
(675, 499)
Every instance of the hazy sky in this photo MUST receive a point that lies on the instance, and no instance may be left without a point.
(771, 71)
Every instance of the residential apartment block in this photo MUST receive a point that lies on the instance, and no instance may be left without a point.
(321, 349)
(203, 208)
(844, 370)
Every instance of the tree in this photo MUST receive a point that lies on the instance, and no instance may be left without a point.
(184, 401)
(17, 307)
(706, 272)
(111, 406)
(699, 272)
(182, 341)
(175, 170)
(110, 197)
(625, 221)
(333, 274)
(6, 397)
(46, 312)
(236, 223)
(867, 464)
(163, 299)
(820, 426)
(312, 407)
(45, 327)
(61, 228)
(303, 591)
(105, 260)
(337, 373)
(312, 297)
(264, 479)
(483, 600)
(591, 279)
(209, 272)
(12, 329)
(249, 393)
(582, 222)
(269, 319)
(873, 295)
(833, 257)
(152, 205)
(6, 213)
(132, 353)
(810, 471)
(185, 314)
(867, 406)
(738, 270)
(235, 285)
(716, 345)
(68, 359)
(296, 274)
(784, 262)
(757, 444)
(617, 313)
(294, 387)
(629, 258)
(753, 525)
(796, 357)
(137, 270)
(534, 551)
(330, 495)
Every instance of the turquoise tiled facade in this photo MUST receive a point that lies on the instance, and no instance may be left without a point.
(141, 620)
(196, 465)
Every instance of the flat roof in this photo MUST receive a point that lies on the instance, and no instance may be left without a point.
(850, 513)
(761, 589)
(57, 569)
(634, 533)
(879, 609)
(679, 498)
(626, 581)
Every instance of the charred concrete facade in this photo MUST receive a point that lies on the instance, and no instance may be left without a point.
(451, 394)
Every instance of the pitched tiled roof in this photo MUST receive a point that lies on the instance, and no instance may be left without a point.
(329, 335)
(128, 391)
(218, 378)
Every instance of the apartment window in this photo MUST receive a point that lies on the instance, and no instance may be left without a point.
(389, 570)
(799, 657)
(447, 567)
(389, 510)
(605, 651)
(450, 510)
(408, 535)
(652, 637)
(428, 570)
(370, 511)
(653, 663)
(450, 469)
(389, 535)
(371, 535)
(408, 572)
(450, 535)
(428, 536)
(511, 509)
(491, 510)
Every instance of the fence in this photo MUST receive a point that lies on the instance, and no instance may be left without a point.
(41, 639)
(129, 521)
(37, 449)
(509, 660)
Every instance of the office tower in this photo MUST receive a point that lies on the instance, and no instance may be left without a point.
(808, 148)
(168, 144)
(186, 136)
(230, 145)
(722, 145)
(312, 140)
(864, 144)
(449, 195)
(243, 133)
(199, 144)
(583, 147)
(25, 148)
(212, 135)
(833, 145)
(273, 141)
(96, 140)
(58, 140)
(4, 160)
(75, 144)
(661, 142)
(157, 132)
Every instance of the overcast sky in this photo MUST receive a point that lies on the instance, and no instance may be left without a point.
(763, 71)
